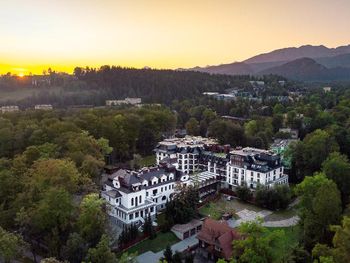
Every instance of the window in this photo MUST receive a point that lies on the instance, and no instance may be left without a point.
(131, 216)
(136, 214)
(166, 188)
(152, 209)
(161, 189)
(140, 199)
(132, 201)
(155, 191)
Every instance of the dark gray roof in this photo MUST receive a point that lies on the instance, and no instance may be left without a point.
(113, 193)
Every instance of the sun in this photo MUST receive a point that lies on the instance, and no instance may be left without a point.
(21, 75)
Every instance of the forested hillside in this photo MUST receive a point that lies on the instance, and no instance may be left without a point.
(93, 86)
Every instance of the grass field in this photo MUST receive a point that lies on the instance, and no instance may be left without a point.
(155, 245)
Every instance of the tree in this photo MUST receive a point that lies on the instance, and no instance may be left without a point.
(258, 245)
(317, 209)
(75, 249)
(340, 252)
(307, 156)
(251, 128)
(168, 254)
(192, 127)
(52, 216)
(244, 193)
(274, 198)
(337, 168)
(11, 245)
(51, 173)
(102, 253)
(183, 207)
(92, 219)
(177, 258)
(148, 227)
(128, 258)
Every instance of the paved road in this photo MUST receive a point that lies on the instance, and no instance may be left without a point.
(151, 257)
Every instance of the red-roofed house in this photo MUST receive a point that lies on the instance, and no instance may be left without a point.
(216, 238)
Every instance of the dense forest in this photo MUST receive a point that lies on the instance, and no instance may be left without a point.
(50, 166)
(51, 161)
(90, 86)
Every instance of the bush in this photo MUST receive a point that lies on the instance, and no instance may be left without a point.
(244, 193)
(274, 198)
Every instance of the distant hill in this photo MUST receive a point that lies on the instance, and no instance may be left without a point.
(308, 69)
(236, 68)
(336, 61)
(323, 63)
(293, 53)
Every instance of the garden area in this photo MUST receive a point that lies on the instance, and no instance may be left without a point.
(217, 208)
(155, 245)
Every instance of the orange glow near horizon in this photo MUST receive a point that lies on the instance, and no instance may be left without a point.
(63, 34)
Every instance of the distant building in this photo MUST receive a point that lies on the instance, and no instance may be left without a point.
(133, 101)
(111, 103)
(43, 107)
(294, 134)
(282, 82)
(210, 93)
(185, 150)
(11, 108)
(215, 239)
(257, 83)
(280, 146)
(327, 89)
(130, 101)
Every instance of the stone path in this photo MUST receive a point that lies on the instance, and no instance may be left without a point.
(151, 257)
(246, 215)
(283, 223)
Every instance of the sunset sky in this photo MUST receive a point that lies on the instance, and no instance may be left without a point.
(62, 34)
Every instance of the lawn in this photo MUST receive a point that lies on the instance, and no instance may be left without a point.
(155, 245)
(211, 210)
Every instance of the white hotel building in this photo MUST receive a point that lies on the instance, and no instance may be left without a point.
(133, 195)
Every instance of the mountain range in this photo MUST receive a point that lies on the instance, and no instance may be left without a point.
(308, 63)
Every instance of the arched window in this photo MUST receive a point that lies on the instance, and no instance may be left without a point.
(140, 199)
(132, 201)
(163, 198)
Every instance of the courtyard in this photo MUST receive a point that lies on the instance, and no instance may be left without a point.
(242, 212)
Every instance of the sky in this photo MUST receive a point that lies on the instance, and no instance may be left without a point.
(62, 34)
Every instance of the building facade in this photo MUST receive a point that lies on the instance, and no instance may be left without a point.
(196, 161)
(133, 195)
